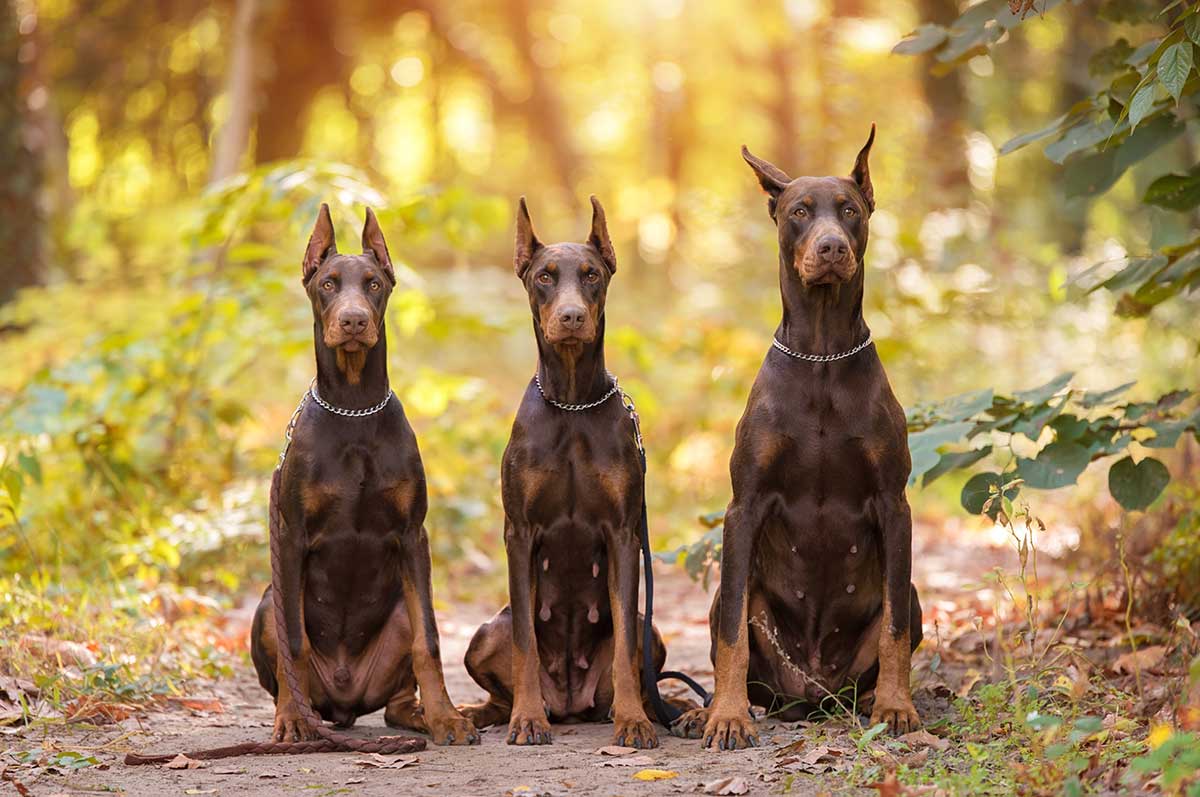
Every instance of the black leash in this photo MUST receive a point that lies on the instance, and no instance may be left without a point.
(665, 712)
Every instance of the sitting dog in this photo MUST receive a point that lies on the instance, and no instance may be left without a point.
(566, 647)
(355, 554)
(815, 594)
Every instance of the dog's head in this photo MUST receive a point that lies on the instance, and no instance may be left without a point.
(566, 282)
(822, 221)
(348, 292)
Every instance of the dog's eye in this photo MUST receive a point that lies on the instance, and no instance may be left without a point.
(545, 278)
(592, 277)
(327, 285)
(849, 212)
(374, 286)
(801, 212)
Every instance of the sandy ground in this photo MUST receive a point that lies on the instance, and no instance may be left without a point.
(571, 765)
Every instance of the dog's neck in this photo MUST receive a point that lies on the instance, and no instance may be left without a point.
(820, 319)
(572, 374)
(351, 381)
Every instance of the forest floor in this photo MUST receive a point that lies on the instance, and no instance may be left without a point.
(979, 735)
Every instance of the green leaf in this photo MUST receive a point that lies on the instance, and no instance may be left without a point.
(923, 445)
(1137, 271)
(1014, 144)
(1175, 191)
(1043, 393)
(1068, 427)
(1135, 486)
(955, 460)
(1093, 398)
(921, 40)
(1174, 65)
(1141, 104)
(1080, 137)
(980, 487)
(1057, 465)
(30, 465)
(1191, 26)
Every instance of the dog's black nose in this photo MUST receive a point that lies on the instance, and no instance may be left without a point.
(571, 317)
(832, 247)
(353, 321)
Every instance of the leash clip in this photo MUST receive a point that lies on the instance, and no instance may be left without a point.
(627, 403)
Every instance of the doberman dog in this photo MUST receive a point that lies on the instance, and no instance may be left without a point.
(354, 562)
(566, 647)
(815, 592)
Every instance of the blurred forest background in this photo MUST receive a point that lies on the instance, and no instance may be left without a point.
(164, 161)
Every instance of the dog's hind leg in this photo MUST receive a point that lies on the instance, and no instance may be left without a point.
(489, 663)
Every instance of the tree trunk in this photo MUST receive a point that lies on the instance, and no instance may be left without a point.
(304, 60)
(21, 226)
(945, 97)
(234, 135)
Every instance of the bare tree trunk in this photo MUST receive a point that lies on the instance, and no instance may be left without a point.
(946, 99)
(234, 135)
(546, 113)
(21, 227)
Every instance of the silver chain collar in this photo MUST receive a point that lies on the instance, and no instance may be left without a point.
(577, 407)
(626, 402)
(821, 358)
(312, 393)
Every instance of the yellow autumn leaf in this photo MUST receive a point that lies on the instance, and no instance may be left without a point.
(656, 774)
(1158, 735)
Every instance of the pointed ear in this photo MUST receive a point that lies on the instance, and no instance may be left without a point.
(373, 242)
(862, 172)
(527, 242)
(320, 244)
(598, 237)
(772, 179)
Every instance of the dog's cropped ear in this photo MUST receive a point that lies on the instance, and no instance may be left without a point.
(320, 244)
(772, 179)
(599, 239)
(527, 242)
(862, 172)
(373, 242)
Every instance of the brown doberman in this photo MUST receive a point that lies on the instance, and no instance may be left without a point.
(815, 597)
(354, 553)
(566, 648)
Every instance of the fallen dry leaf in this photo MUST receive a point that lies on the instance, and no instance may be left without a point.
(616, 749)
(1137, 660)
(183, 762)
(378, 761)
(58, 650)
(210, 704)
(655, 774)
(923, 738)
(626, 761)
(735, 785)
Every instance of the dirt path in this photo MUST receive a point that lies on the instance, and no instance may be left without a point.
(570, 766)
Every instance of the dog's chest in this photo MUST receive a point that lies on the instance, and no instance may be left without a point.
(575, 477)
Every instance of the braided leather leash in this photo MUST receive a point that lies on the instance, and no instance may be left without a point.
(331, 741)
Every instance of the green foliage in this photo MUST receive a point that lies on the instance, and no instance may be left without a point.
(146, 404)
(1152, 91)
(1176, 760)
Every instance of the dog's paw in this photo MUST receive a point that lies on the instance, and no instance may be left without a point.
(634, 732)
(291, 727)
(730, 731)
(690, 724)
(524, 729)
(900, 714)
(453, 729)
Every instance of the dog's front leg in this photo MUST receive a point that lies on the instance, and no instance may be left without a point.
(291, 545)
(632, 727)
(446, 724)
(727, 723)
(893, 695)
(528, 724)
